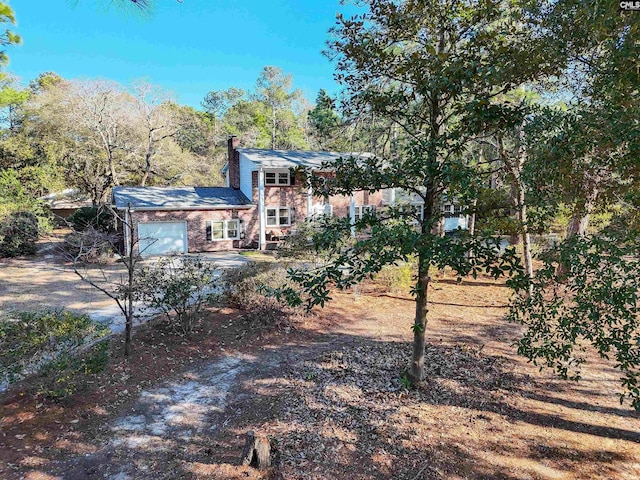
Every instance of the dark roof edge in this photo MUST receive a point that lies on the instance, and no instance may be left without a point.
(185, 207)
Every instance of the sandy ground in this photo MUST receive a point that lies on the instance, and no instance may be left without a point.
(329, 394)
(46, 280)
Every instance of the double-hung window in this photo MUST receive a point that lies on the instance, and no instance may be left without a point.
(277, 177)
(452, 210)
(223, 230)
(414, 211)
(361, 210)
(278, 216)
(320, 210)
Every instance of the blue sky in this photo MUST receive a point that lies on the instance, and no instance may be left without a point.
(188, 48)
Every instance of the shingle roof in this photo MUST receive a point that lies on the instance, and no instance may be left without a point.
(293, 158)
(177, 198)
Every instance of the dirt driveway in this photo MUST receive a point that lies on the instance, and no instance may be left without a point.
(47, 281)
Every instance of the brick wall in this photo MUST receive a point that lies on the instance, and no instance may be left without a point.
(290, 196)
(196, 226)
(296, 196)
(234, 162)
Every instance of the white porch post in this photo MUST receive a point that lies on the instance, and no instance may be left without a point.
(309, 201)
(262, 219)
(352, 214)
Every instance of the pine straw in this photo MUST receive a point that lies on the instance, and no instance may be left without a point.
(351, 412)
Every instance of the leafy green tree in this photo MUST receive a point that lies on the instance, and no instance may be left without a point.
(195, 131)
(272, 116)
(592, 304)
(589, 154)
(14, 197)
(273, 89)
(44, 82)
(323, 119)
(12, 98)
(216, 104)
(585, 296)
(432, 68)
(8, 37)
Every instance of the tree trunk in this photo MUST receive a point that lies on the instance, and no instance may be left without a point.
(516, 237)
(257, 451)
(514, 168)
(582, 213)
(471, 228)
(273, 129)
(131, 263)
(525, 236)
(416, 370)
(147, 161)
(112, 169)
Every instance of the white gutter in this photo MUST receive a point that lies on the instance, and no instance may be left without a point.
(352, 214)
(309, 201)
(262, 239)
(127, 231)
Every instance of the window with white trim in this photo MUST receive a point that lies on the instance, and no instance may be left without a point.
(361, 210)
(452, 210)
(277, 177)
(223, 230)
(416, 211)
(319, 210)
(278, 216)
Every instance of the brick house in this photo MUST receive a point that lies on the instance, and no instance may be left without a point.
(262, 202)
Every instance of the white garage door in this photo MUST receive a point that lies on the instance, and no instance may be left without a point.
(161, 238)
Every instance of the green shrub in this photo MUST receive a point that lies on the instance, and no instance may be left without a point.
(178, 286)
(299, 243)
(18, 234)
(66, 375)
(307, 241)
(245, 288)
(46, 341)
(98, 218)
(397, 278)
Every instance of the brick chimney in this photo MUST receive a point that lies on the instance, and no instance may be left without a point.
(234, 162)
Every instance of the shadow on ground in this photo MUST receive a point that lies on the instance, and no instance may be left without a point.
(336, 407)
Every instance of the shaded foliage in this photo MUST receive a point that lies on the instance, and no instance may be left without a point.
(18, 234)
(593, 304)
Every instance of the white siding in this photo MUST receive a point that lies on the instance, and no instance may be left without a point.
(246, 167)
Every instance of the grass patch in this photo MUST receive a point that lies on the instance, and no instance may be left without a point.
(49, 341)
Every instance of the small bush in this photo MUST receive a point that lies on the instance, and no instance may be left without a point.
(178, 286)
(66, 375)
(45, 341)
(244, 288)
(299, 243)
(97, 218)
(396, 278)
(18, 234)
(91, 246)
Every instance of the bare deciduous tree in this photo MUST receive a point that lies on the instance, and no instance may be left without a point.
(119, 286)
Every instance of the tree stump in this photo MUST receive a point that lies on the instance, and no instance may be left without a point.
(257, 451)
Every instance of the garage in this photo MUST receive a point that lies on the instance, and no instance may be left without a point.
(162, 238)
